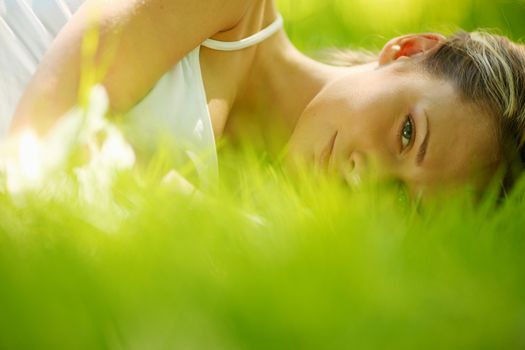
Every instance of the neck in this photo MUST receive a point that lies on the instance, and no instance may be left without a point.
(284, 81)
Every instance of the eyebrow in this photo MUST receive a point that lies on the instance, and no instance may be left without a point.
(421, 153)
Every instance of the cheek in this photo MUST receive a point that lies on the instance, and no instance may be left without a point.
(319, 121)
(364, 115)
(371, 123)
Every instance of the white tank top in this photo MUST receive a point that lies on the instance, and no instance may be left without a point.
(176, 109)
(27, 28)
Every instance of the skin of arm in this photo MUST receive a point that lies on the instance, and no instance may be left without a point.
(143, 39)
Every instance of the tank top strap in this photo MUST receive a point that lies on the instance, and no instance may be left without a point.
(246, 42)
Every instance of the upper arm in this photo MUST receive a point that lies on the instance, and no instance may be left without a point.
(138, 41)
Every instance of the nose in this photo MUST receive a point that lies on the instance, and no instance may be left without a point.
(367, 167)
(355, 169)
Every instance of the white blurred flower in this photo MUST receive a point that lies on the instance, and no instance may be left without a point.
(24, 170)
(29, 162)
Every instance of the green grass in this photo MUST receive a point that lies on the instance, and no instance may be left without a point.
(264, 262)
(312, 24)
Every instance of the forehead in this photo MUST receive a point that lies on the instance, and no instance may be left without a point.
(463, 137)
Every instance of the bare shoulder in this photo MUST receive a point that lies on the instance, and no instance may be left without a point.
(225, 13)
(145, 36)
(160, 32)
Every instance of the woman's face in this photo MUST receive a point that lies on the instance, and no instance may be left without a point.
(395, 122)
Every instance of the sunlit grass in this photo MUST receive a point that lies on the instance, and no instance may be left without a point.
(263, 261)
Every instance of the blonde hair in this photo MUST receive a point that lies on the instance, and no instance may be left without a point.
(489, 71)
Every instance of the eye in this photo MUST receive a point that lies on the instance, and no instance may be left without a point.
(407, 132)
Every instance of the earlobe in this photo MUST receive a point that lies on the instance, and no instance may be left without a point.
(409, 46)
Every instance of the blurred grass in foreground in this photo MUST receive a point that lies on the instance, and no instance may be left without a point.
(269, 262)
(264, 263)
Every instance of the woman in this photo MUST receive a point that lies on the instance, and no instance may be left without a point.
(430, 112)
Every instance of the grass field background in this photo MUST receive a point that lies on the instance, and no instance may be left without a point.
(265, 261)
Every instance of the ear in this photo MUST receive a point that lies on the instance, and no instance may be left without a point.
(409, 45)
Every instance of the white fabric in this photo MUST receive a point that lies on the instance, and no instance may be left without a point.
(247, 42)
(26, 31)
(176, 107)
(176, 110)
